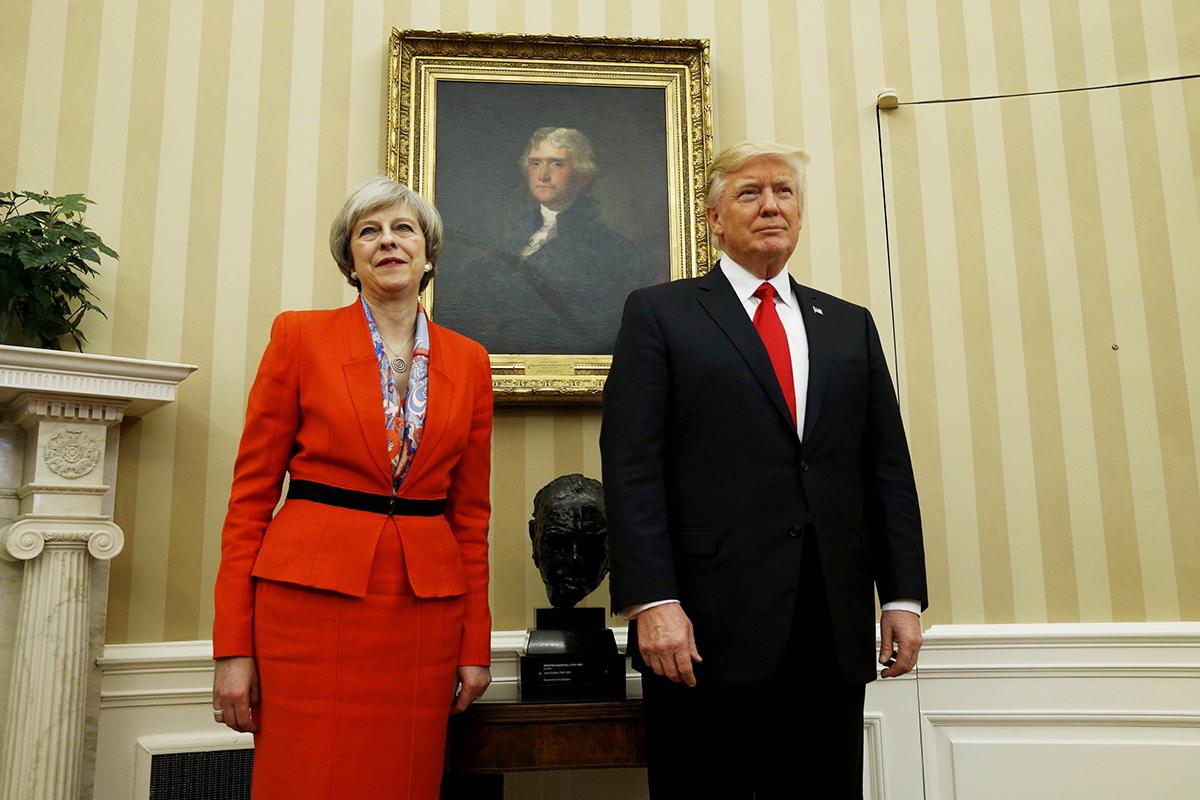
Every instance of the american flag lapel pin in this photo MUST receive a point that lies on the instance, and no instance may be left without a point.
(817, 310)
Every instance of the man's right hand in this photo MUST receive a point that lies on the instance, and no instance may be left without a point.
(666, 642)
(235, 689)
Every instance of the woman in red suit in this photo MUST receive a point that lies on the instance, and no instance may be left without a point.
(351, 623)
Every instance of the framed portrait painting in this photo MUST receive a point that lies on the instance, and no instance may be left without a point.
(568, 172)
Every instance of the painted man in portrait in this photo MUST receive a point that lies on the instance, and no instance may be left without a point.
(554, 278)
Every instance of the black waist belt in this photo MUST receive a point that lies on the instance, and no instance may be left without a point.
(364, 501)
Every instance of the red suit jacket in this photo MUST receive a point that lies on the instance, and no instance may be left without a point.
(315, 412)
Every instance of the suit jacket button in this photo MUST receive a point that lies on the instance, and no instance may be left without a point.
(795, 531)
(804, 466)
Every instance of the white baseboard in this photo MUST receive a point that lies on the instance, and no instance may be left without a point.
(990, 701)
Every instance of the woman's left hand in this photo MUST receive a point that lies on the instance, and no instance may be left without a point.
(472, 681)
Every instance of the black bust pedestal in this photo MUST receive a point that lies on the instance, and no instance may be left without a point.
(571, 656)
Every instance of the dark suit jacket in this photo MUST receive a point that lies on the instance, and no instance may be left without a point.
(316, 412)
(710, 494)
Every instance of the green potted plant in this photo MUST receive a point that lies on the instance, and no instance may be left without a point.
(46, 253)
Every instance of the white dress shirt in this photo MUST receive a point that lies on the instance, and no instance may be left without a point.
(787, 306)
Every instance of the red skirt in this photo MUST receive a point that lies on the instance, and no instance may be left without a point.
(355, 692)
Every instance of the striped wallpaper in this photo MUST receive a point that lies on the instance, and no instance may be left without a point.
(1025, 238)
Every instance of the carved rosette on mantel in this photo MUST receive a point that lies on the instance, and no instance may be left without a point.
(59, 433)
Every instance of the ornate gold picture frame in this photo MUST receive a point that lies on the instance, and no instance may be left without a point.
(569, 171)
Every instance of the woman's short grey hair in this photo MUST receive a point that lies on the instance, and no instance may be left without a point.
(731, 159)
(372, 195)
(577, 145)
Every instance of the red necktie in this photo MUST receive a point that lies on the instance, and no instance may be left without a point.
(770, 328)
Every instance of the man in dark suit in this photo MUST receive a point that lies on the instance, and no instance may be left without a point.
(758, 488)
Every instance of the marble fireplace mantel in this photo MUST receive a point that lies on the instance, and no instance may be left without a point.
(60, 416)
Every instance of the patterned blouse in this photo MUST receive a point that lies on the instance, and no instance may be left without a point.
(404, 423)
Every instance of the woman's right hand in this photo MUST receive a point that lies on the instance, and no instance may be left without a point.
(235, 689)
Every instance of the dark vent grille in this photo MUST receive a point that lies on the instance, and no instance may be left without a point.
(211, 775)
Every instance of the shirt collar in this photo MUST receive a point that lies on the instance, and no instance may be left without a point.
(548, 216)
(745, 283)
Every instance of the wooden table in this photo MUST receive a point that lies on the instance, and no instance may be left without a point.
(490, 739)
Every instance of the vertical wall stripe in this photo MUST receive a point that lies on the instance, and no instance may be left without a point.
(14, 50)
(151, 521)
(992, 522)
(141, 180)
(538, 16)
(454, 15)
(916, 373)
(673, 19)
(425, 15)
(303, 134)
(187, 602)
(1124, 567)
(76, 112)
(847, 206)
(1129, 315)
(870, 79)
(120, 573)
(540, 467)
(1158, 40)
(785, 53)
(110, 137)
(821, 221)
(564, 17)
(42, 96)
(510, 15)
(618, 19)
(229, 364)
(648, 20)
(1182, 208)
(728, 75)
(365, 141)
(270, 180)
(756, 61)
(1187, 33)
(168, 267)
(509, 548)
(591, 18)
(946, 322)
(481, 15)
(1176, 457)
(333, 119)
(1073, 547)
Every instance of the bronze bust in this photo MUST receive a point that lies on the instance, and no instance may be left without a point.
(570, 538)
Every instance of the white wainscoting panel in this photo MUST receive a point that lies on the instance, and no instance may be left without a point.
(1061, 712)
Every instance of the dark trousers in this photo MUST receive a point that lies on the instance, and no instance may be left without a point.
(798, 734)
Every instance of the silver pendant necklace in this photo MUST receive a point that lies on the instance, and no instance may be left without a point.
(398, 365)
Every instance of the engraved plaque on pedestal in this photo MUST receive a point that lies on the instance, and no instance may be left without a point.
(571, 657)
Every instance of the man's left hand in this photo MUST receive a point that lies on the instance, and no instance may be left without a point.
(900, 634)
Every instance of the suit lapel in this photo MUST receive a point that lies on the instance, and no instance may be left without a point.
(816, 330)
(361, 371)
(722, 304)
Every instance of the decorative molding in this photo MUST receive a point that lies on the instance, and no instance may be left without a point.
(873, 746)
(28, 536)
(71, 454)
(1041, 718)
(29, 408)
(144, 385)
(28, 489)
